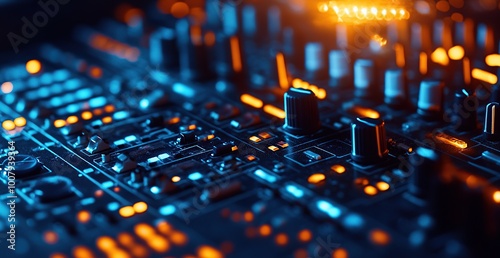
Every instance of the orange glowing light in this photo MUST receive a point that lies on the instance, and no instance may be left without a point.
(125, 239)
(456, 53)
(191, 127)
(8, 125)
(370, 190)
(209, 38)
(338, 169)
(400, 55)
(179, 9)
(87, 115)
(72, 120)
(236, 54)
(382, 186)
(251, 100)
(118, 253)
(282, 73)
(95, 72)
(164, 227)
(126, 211)
(493, 60)
(380, 237)
(206, 251)
(439, 56)
(109, 108)
(132, 15)
(107, 120)
(158, 243)
(33, 66)
(50, 237)
(82, 252)
(281, 239)
(20, 121)
(365, 112)
(423, 63)
(176, 179)
(265, 230)
(305, 235)
(340, 253)
(140, 207)
(59, 123)
(57, 255)
(7, 87)
(178, 238)
(105, 243)
(316, 178)
(275, 111)
(346, 12)
(144, 230)
(496, 196)
(467, 71)
(98, 193)
(83, 216)
(248, 216)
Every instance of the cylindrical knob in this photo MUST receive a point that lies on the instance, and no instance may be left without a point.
(430, 98)
(302, 115)
(369, 143)
(364, 78)
(394, 90)
(424, 168)
(492, 122)
(465, 110)
(163, 49)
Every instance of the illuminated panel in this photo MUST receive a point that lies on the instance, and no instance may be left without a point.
(484, 76)
(364, 10)
(447, 139)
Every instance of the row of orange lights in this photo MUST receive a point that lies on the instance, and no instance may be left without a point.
(10, 125)
(87, 115)
(319, 92)
(129, 211)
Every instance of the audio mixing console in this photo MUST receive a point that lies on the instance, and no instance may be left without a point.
(248, 128)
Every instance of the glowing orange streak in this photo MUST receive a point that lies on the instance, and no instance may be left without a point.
(400, 55)
(235, 54)
(423, 63)
(467, 73)
(282, 76)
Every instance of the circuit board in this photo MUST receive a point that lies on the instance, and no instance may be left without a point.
(212, 129)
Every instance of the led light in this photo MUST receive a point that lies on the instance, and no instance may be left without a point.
(496, 196)
(382, 186)
(8, 125)
(33, 66)
(422, 65)
(447, 139)
(282, 74)
(274, 111)
(316, 178)
(439, 56)
(456, 53)
(20, 121)
(493, 60)
(126, 212)
(484, 76)
(251, 100)
(363, 11)
(370, 190)
(236, 54)
(365, 112)
(338, 169)
(140, 207)
(328, 208)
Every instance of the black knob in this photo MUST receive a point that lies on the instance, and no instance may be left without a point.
(492, 122)
(302, 115)
(369, 143)
(465, 110)
(424, 169)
